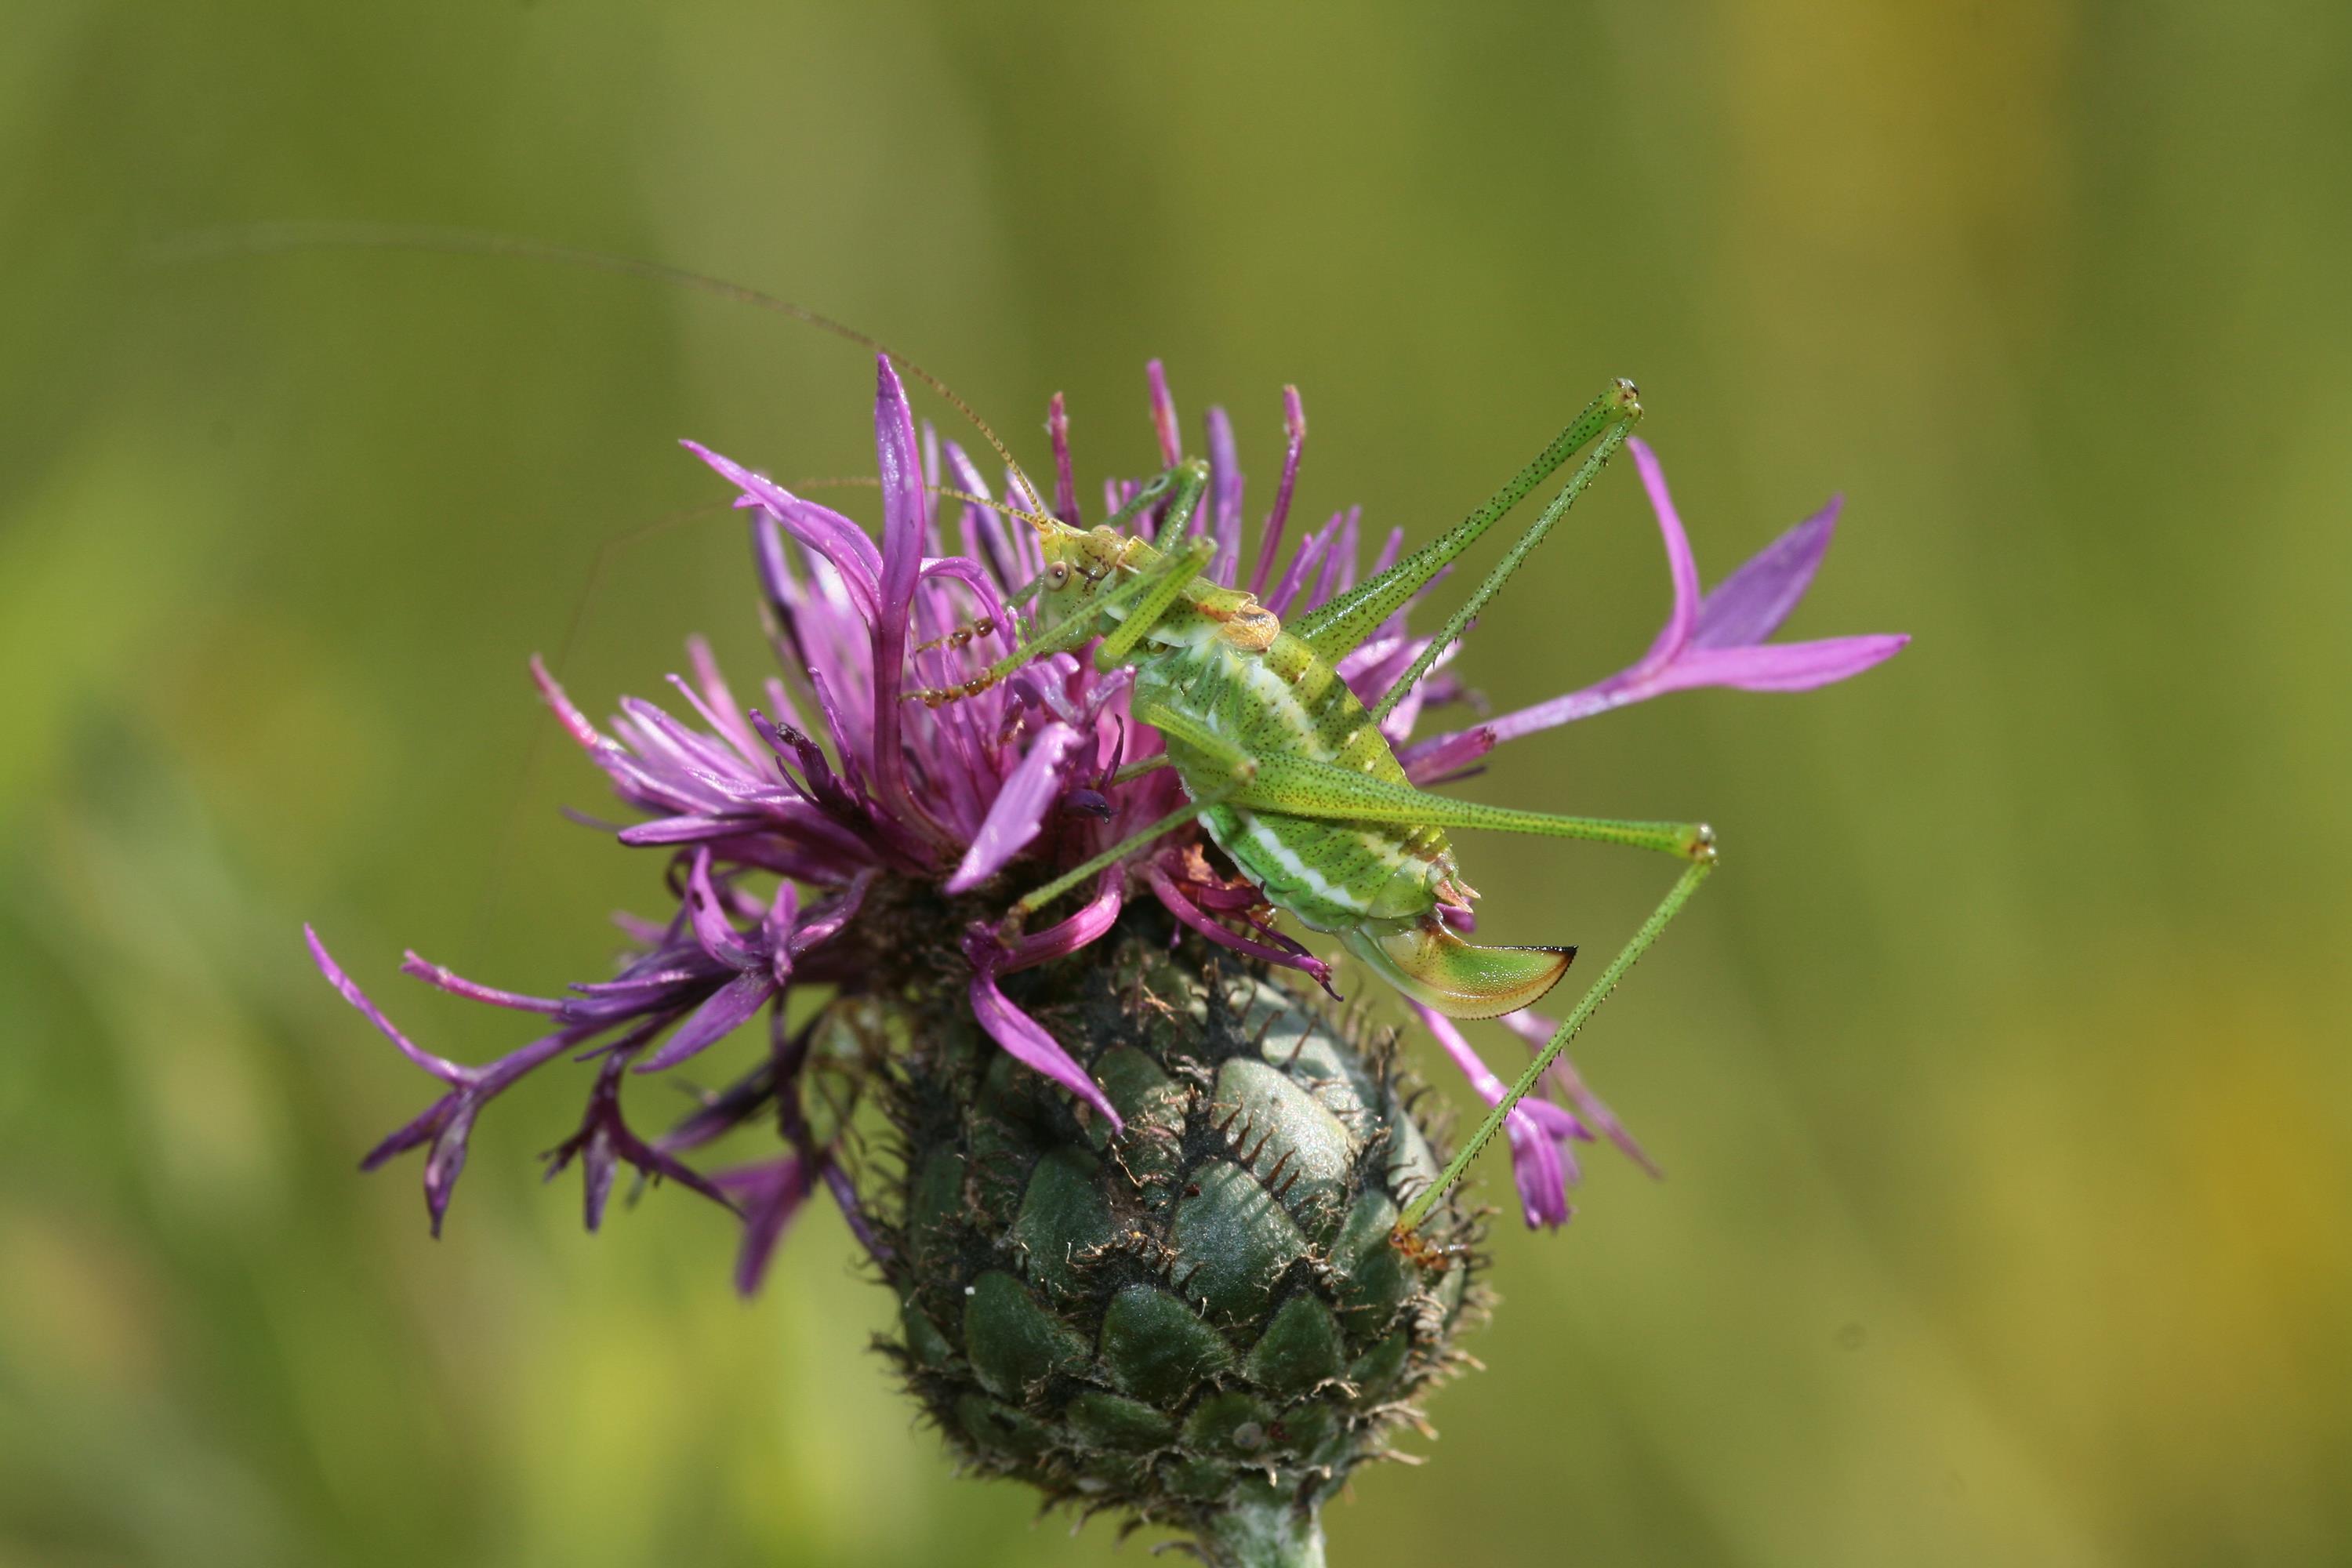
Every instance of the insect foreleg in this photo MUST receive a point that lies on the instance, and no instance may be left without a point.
(1077, 629)
(1136, 770)
(1167, 579)
(1302, 786)
(1586, 472)
(1354, 615)
(1191, 480)
(1158, 488)
(1066, 635)
(1685, 885)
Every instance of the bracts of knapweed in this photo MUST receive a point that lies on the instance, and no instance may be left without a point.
(998, 861)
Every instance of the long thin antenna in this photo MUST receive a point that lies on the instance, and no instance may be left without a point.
(265, 238)
(1038, 520)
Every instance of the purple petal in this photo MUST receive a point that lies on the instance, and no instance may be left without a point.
(726, 1008)
(853, 1213)
(446, 1161)
(473, 991)
(427, 1125)
(1163, 415)
(773, 1193)
(832, 536)
(776, 930)
(573, 721)
(1023, 1037)
(1777, 667)
(1440, 756)
(1683, 616)
(1171, 897)
(899, 465)
(1749, 606)
(598, 1166)
(1482, 1078)
(684, 831)
(1094, 917)
(1535, 1167)
(1294, 424)
(1226, 494)
(1066, 483)
(446, 1070)
(1019, 811)
(827, 921)
(1311, 552)
(711, 928)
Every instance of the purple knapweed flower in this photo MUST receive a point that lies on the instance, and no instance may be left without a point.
(839, 797)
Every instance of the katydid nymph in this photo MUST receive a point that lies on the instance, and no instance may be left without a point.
(1288, 772)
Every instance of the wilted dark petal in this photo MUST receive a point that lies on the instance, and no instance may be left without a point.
(446, 1161)
(597, 1168)
(717, 1016)
(427, 1126)
(1019, 811)
(1020, 1035)
(769, 1194)
(1749, 606)
(853, 1213)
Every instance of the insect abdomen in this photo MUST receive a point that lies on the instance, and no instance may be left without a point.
(1330, 874)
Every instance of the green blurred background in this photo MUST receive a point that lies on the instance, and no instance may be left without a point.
(2001, 1081)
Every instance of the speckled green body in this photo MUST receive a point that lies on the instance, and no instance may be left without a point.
(1281, 700)
(1201, 1319)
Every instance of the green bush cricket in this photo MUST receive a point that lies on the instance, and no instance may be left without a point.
(1289, 774)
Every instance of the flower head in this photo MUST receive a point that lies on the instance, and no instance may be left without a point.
(818, 833)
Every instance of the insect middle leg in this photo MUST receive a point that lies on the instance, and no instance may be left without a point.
(1163, 578)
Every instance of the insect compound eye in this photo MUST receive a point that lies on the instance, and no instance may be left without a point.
(1057, 575)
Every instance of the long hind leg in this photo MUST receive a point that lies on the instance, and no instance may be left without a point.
(1303, 787)
(1347, 621)
(1672, 905)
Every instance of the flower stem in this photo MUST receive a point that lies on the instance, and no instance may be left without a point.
(1268, 1533)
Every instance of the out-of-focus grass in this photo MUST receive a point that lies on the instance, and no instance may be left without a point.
(1999, 1079)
